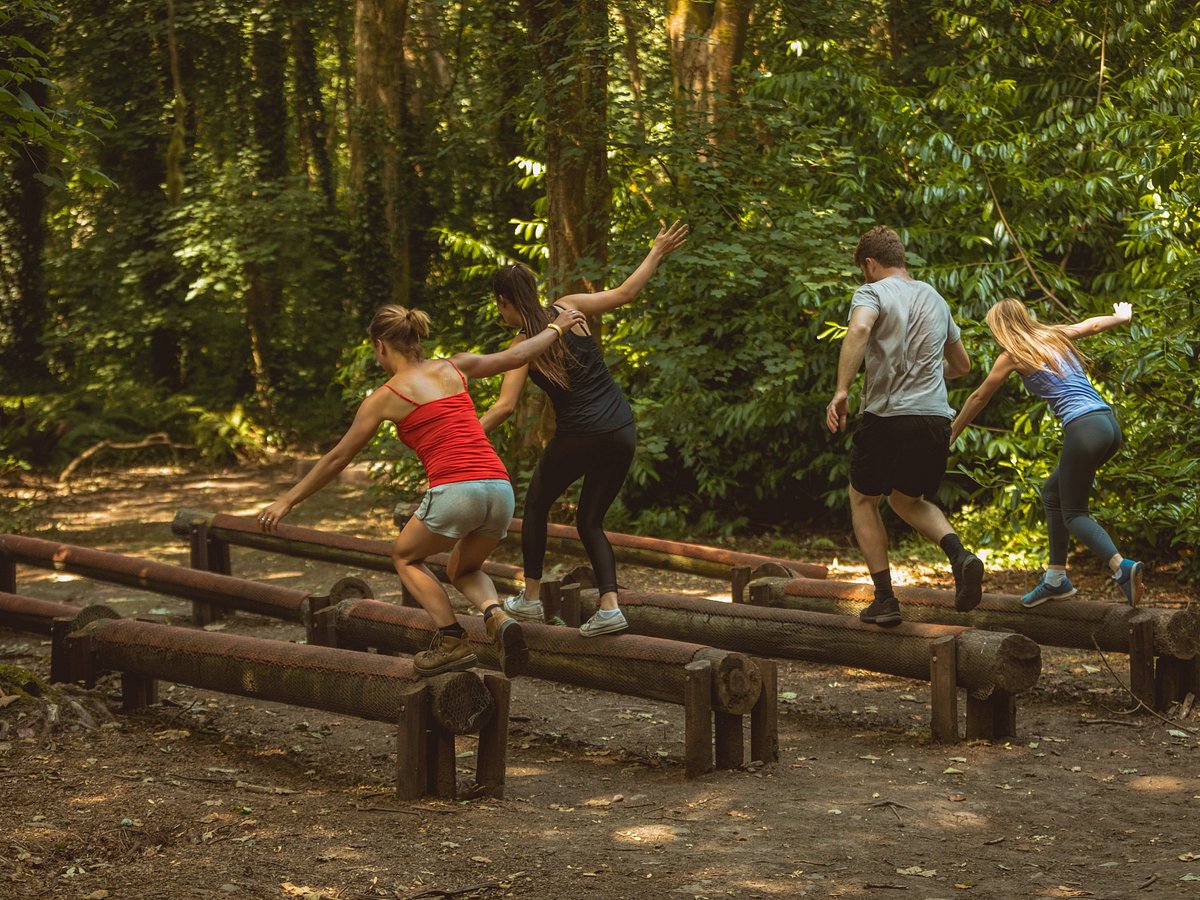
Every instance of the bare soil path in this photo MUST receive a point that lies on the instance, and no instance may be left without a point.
(213, 796)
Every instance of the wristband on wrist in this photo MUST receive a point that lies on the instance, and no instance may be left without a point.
(556, 327)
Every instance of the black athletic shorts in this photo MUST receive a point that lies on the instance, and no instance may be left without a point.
(903, 453)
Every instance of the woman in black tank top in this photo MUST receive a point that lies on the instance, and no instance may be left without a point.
(595, 436)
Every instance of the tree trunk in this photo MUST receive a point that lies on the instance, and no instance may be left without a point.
(265, 293)
(310, 107)
(632, 60)
(379, 232)
(707, 42)
(569, 38)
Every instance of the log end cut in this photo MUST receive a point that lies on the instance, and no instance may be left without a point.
(736, 680)
(993, 661)
(460, 702)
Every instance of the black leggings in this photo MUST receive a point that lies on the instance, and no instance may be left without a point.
(603, 461)
(1088, 443)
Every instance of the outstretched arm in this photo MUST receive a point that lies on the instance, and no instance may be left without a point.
(667, 242)
(1001, 369)
(367, 420)
(1122, 314)
(850, 360)
(476, 365)
(510, 392)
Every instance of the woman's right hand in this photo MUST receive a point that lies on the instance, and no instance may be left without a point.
(569, 318)
(671, 239)
(1123, 311)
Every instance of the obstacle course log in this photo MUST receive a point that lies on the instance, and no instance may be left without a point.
(985, 661)
(22, 613)
(625, 664)
(1059, 623)
(218, 590)
(308, 543)
(678, 556)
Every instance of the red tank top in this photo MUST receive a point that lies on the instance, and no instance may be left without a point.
(448, 439)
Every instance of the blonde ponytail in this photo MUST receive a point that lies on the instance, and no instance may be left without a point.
(400, 328)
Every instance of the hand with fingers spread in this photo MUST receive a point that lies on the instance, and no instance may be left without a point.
(1123, 311)
(671, 239)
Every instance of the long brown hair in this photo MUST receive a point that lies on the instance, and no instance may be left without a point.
(1029, 342)
(518, 285)
(400, 328)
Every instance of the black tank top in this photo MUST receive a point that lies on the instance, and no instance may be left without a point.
(592, 403)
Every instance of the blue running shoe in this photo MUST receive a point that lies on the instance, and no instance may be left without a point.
(1043, 591)
(1129, 580)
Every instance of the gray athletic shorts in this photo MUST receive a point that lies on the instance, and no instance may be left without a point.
(468, 507)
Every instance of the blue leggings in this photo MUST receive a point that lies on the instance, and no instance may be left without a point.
(1088, 443)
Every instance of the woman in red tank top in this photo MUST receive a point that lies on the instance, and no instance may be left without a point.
(469, 503)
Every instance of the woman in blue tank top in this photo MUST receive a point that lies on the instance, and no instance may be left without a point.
(1051, 368)
(594, 437)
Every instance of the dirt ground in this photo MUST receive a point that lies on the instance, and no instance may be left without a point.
(211, 795)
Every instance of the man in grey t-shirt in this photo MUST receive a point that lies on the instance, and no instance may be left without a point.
(904, 331)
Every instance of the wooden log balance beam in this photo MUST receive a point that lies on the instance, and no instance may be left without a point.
(21, 613)
(1163, 669)
(429, 712)
(676, 556)
(625, 664)
(991, 667)
(218, 530)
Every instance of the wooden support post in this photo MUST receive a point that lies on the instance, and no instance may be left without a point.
(412, 764)
(315, 604)
(943, 689)
(137, 691)
(1191, 677)
(697, 716)
(551, 595)
(491, 761)
(322, 627)
(760, 594)
(764, 717)
(81, 664)
(202, 613)
(218, 559)
(442, 775)
(993, 718)
(739, 578)
(730, 749)
(1170, 679)
(1141, 659)
(8, 576)
(570, 605)
(60, 661)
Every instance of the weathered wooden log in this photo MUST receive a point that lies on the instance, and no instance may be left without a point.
(364, 685)
(1080, 624)
(190, 584)
(22, 613)
(986, 661)
(309, 543)
(624, 664)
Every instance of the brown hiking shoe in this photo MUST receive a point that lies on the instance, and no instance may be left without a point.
(445, 654)
(510, 642)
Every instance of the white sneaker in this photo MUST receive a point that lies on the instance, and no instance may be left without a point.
(525, 610)
(598, 624)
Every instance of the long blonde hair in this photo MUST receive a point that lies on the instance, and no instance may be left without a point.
(1030, 343)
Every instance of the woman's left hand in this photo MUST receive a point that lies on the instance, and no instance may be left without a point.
(1123, 311)
(269, 518)
(671, 239)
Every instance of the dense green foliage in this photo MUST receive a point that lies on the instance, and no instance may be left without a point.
(1042, 150)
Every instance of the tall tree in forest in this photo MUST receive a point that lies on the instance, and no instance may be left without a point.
(268, 62)
(310, 106)
(707, 42)
(379, 230)
(570, 40)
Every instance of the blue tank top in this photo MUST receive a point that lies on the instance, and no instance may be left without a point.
(1070, 395)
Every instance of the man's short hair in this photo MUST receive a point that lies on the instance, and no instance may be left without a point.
(882, 245)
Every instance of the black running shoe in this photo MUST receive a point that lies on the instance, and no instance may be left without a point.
(884, 612)
(968, 583)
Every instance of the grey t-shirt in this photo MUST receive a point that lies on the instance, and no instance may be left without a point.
(906, 347)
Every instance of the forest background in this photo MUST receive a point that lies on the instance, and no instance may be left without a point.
(202, 202)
